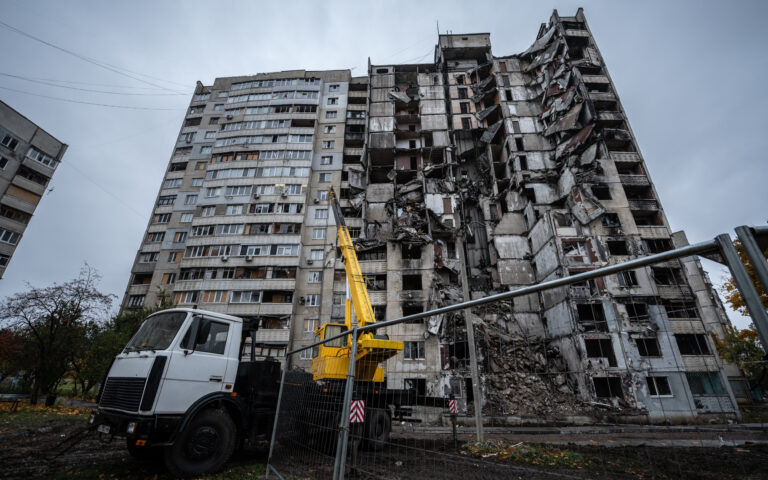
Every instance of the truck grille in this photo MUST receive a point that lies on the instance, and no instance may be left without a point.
(122, 393)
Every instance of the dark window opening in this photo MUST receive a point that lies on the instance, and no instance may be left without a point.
(667, 276)
(523, 162)
(419, 385)
(652, 219)
(658, 245)
(413, 309)
(610, 220)
(617, 247)
(658, 386)
(519, 144)
(607, 387)
(648, 347)
(380, 312)
(410, 252)
(680, 309)
(627, 279)
(466, 123)
(600, 348)
(592, 317)
(602, 192)
(637, 311)
(692, 344)
(704, 383)
(411, 282)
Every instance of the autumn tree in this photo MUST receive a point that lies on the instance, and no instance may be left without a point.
(52, 319)
(11, 353)
(731, 293)
(742, 347)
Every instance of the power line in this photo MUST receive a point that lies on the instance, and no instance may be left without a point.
(111, 85)
(128, 107)
(112, 68)
(43, 82)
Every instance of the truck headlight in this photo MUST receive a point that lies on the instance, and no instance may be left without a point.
(131, 428)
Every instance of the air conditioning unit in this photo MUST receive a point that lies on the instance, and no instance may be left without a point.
(256, 195)
(302, 300)
(283, 194)
(317, 200)
(229, 116)
(249, 258)
(224, 258)
(309, 261)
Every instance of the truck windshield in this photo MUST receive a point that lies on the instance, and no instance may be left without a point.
(157, 332)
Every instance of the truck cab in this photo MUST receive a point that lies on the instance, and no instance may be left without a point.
(180, 387)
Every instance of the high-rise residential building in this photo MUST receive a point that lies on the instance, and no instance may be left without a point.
(28, 159)
(470, 175)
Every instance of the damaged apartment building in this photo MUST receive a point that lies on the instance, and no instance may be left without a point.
(468, 176)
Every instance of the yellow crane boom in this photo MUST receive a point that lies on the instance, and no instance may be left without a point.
(331, 360)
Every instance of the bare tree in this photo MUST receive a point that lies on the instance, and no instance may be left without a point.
(52, 318)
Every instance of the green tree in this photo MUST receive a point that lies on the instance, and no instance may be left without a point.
(742, 347)
(52, 319)
(12, 346)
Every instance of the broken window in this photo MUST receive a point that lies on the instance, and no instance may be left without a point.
(657, 245)
(575, 250)
(418, 385)
(658, 386)
(411, 282)
(601, 192)
(592, 317)
(704, 383)
(523, 162)
(617, 247)
(463, 93)
(519, 144)
(530, 194)
(515, 126)
(460, 79)
(464, 106)
(410, 252)
(600, 348)
(692, 344)
(380, 312)
(667, 276)
(563, 219)
(636, 311)
(466, 123)
(648, 347)
(413, 350)
(627, 279)
(607, 387)
(652, 219)
(413, 309)
(610, 220)
(680, 309)
(378, 253)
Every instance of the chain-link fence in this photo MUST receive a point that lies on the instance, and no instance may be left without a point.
(573, 398)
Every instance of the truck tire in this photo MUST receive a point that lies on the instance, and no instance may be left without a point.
(204, 446)
(378, 425)
(143, 454)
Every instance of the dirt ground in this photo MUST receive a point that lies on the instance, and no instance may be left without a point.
(36, 447)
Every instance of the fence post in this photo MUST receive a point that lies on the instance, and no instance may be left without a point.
(745, 287)
(341, 445)
(277, 414)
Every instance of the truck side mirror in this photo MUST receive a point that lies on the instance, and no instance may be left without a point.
(203, 330)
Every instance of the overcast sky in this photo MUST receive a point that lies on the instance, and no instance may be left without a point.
(690, 76)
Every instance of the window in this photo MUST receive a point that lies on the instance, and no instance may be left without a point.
(324, 178)
(601, 192)
(692, 344)
(213, 121)
(190, 200)
(315, 277)
(316, 254)
(333, 88)
(312, 300)
(187, 137)
(311, 324)
(154, 237)
(333, 100)
(331, 114)
(173, 257)
(658, 386)
(3, 163)
(163, 218)
(411, 282)
(617, 247)
(607, 387)
(592, 317)
(328, 144)
(464, 107)
(322, 194)
(318, 234)
(210, 134)
(657, 245)
(234, 210)
(197, 182)
(636, 311)
(135, 301)
(321, 213)
(177, 167)
(215, 296)
(9, 237)
(627, 279)
(150, 257)
(600, 348)
(238, 190)
(463, 93)
(206, 149)
(704, 383)
(329, 129)
(10, 142)
(208, 211)
(168, 279)
(610, 220)
(648, 347)
(466, 123)
(216, 342)
(172, 183)
(212, 192)
(519, 144)
(418, 385)
(413, 350)
(326, 160)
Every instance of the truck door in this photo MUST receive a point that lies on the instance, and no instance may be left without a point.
(198, 365)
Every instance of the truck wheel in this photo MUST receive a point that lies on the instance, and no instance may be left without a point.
(377, 428)
(204, 446)
(143, 454)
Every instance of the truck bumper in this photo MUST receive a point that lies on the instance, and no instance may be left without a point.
(154, 430)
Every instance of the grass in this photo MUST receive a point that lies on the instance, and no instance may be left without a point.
(36, 416)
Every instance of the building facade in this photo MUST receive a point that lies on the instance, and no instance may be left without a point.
(467, 176)
(28, 159)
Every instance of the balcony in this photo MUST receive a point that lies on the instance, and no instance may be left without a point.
(674, 291)
(602, 96)
(643, 205)
(640, 180)
(250, 309)
(272, 335)
(378, 297)
(610, 116)
(373, 266)
(625, 157)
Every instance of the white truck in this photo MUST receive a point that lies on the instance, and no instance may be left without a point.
(180, 389)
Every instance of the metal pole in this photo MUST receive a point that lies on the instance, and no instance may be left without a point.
(277, 414)
(474, 371)
(341, 445)
(755, 255)
(745, 286)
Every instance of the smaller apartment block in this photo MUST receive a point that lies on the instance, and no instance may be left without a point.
(28, 159)
(466, 176)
